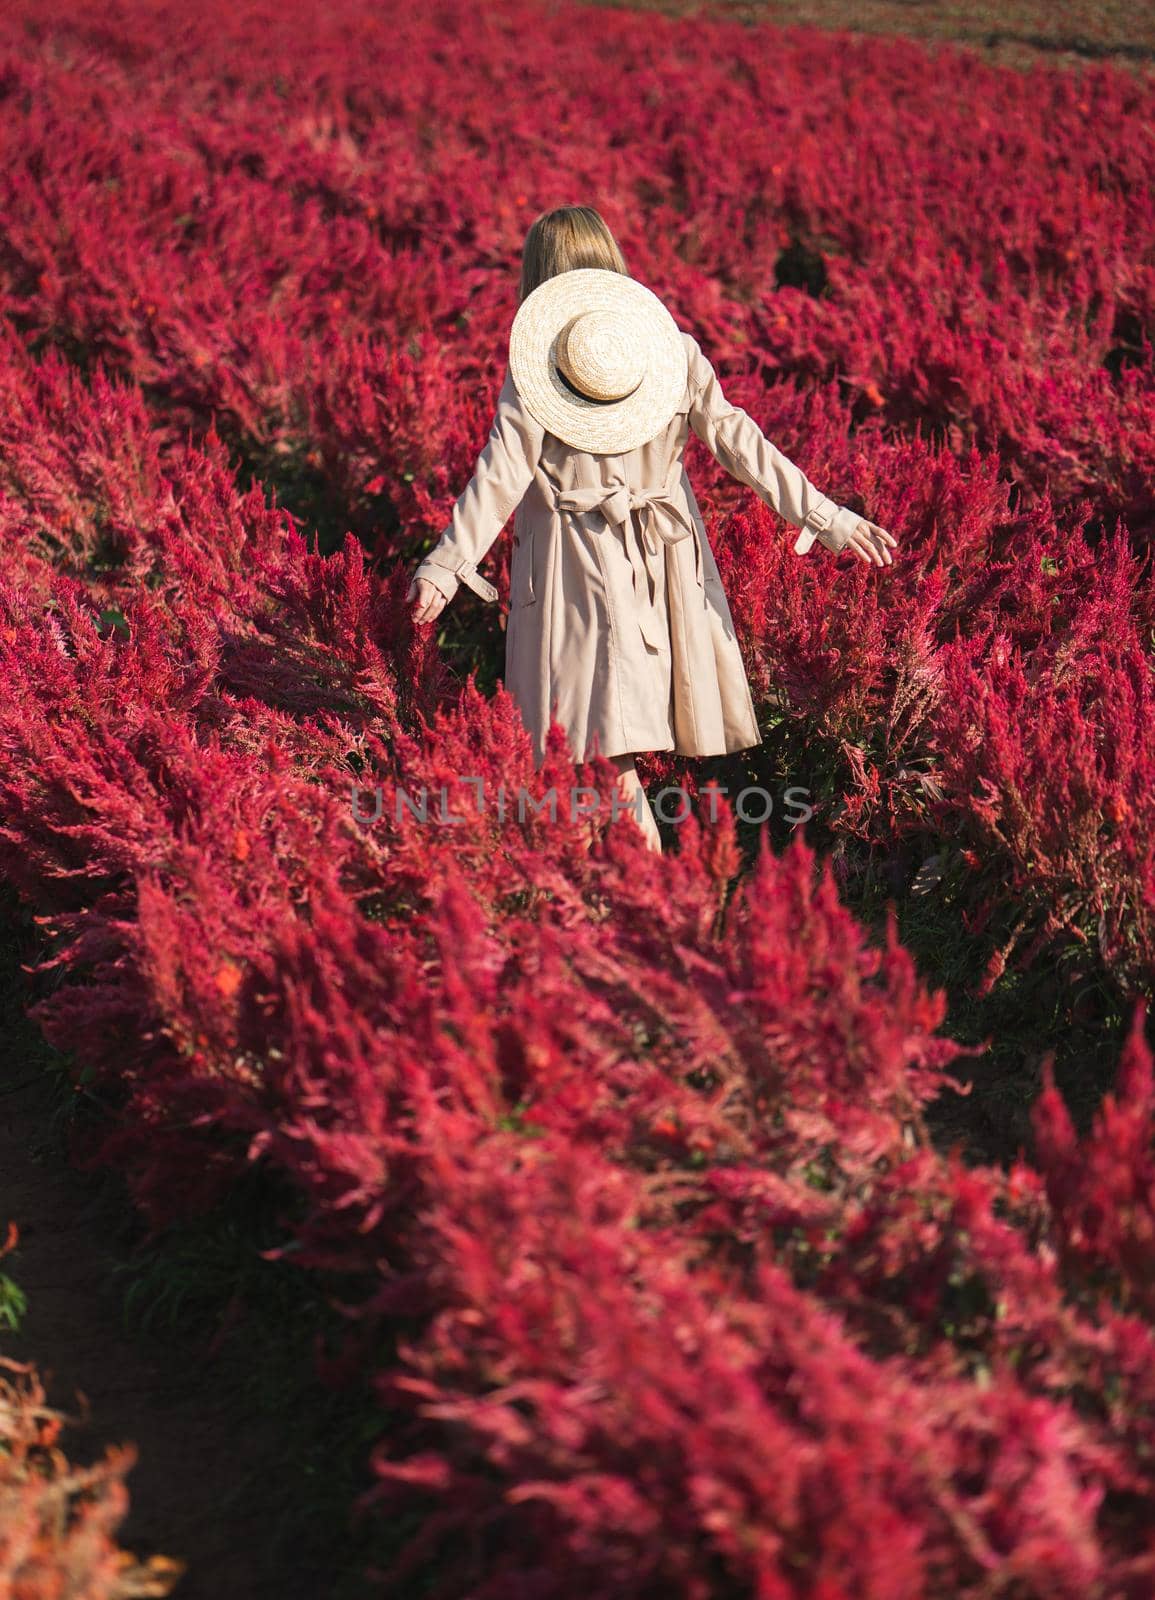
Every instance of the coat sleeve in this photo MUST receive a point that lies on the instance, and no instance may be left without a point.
(503, 473)
(733, 436)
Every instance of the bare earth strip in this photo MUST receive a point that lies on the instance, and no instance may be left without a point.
(1020, 33)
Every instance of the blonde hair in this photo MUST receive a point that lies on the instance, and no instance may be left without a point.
(563, 239)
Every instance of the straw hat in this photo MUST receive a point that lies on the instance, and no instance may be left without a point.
(618, 346)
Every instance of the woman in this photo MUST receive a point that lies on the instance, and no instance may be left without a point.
(618, 624)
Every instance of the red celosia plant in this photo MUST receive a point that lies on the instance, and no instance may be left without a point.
(1102, 1189)
(1048, 768)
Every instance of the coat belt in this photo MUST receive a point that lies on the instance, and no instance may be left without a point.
(663, 521)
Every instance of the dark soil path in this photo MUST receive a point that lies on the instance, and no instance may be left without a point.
(208, 1486)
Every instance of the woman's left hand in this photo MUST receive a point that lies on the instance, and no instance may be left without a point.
(428, 600)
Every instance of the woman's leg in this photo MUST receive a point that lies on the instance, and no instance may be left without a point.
(630, 787)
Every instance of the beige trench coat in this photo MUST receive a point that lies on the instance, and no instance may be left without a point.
(618, 623)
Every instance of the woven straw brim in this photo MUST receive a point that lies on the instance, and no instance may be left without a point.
(601, 428)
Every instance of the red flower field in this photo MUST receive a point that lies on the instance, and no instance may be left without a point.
(627, 1162)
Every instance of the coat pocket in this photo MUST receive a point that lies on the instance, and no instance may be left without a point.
(521, 585)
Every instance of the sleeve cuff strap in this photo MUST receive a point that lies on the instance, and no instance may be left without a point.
(818, 521)
(437, 568)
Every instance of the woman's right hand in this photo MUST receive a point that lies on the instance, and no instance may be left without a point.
(428, 598)
(871, 543)
(863, 538)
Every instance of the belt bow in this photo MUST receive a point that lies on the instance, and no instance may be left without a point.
(663, 520)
